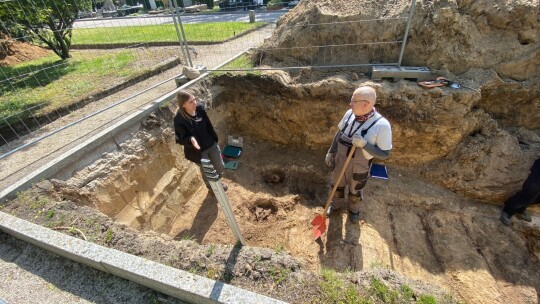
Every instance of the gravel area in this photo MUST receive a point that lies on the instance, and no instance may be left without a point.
(30, 274)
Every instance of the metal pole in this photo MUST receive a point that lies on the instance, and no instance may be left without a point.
(175, 15)
(411, 12)
(216, 185)
(183, 34)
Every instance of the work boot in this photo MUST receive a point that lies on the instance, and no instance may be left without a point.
(524, 216)
(354, 217)
(506, 218)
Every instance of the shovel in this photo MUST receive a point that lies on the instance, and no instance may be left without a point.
(319, 222)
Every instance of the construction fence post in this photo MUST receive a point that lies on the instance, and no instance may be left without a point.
(217, 187)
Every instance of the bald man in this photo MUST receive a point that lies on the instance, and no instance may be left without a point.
(361, 126)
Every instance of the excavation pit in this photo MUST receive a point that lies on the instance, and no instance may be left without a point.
(274, 176)
(281, 184)
(157, 190)
(264, 210)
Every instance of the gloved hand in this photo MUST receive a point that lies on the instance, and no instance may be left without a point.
(330, 159)
(359, 141)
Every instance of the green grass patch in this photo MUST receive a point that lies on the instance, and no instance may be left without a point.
(426, 299)
(49, 214)
(335, 290)
(279, 275)
(31, 200)
(187, 237)
(60, 83)
(210, 250)
(197, 32)
(109, 236)
(241, 62)
(382, 292)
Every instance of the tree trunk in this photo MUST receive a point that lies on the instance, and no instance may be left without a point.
(60, 45)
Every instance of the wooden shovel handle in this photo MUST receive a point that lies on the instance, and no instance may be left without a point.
(339, 179)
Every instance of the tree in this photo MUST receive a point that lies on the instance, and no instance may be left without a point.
(51, 21)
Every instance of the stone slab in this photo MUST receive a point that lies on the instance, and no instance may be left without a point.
(398, 73)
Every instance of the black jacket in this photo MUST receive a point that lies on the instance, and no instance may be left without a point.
(199, 127)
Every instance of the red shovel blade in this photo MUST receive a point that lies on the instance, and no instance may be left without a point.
(319, 226)
(318, 220)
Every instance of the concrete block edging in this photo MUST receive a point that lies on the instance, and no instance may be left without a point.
(168, 280)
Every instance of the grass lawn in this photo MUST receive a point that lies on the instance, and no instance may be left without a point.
(242, 62)
(198, 32)
(55, 84)
(58, 83)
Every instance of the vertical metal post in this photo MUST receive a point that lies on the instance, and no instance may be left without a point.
(411, 12)
(180, 40)
(183, 36)
(213, 178)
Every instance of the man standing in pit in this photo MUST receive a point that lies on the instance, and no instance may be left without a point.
(363, 127)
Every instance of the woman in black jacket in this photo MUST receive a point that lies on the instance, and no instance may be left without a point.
(195, 132)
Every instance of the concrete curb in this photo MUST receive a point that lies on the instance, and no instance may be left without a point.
(168, 280)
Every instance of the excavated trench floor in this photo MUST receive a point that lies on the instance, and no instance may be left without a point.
(408, 224)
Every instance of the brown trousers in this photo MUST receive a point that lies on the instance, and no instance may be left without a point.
(354, 178)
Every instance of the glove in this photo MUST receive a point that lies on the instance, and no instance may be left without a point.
(359, 141)
(330, 160)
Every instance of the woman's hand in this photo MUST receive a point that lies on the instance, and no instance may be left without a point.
(195, 143)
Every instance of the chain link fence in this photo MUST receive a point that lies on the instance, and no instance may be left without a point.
(127, 54)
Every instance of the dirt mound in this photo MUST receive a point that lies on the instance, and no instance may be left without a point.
(453, 36)
(14, 52)
(479, 140)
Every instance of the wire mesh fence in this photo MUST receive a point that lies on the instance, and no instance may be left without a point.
(119, 49)
(331, 45)
(51, 84)
(106, 54)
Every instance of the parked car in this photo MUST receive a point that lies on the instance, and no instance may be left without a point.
(231, 5)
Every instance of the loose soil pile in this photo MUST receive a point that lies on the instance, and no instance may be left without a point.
(13, 52)
(454, 150)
